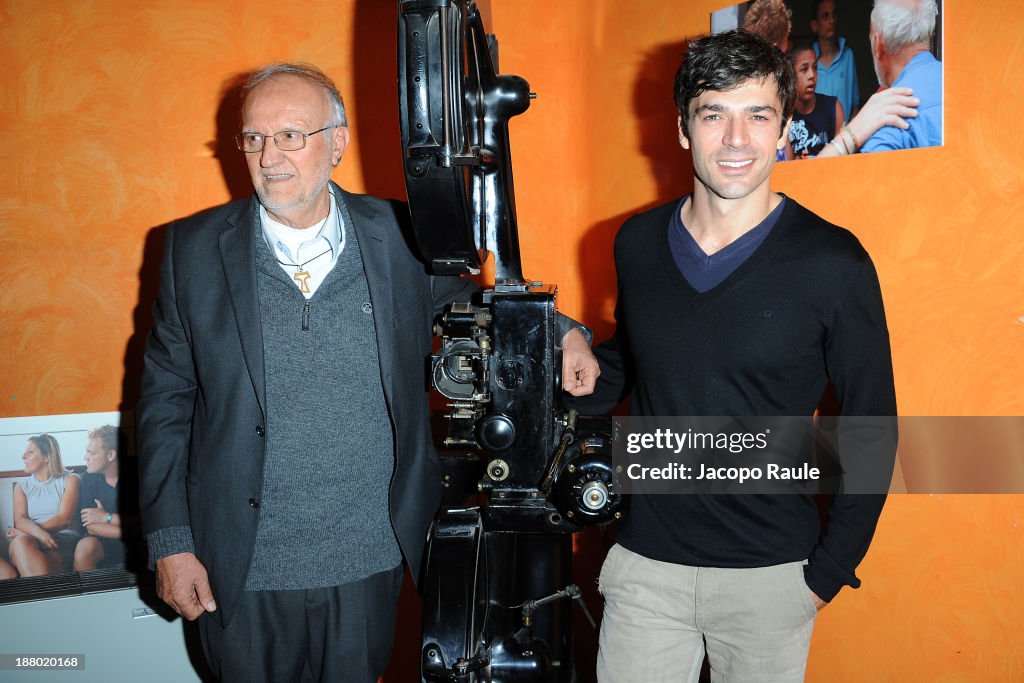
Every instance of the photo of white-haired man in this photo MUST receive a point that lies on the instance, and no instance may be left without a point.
(901, 36)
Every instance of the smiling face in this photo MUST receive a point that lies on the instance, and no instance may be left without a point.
(805, 63)
(733, 136)
(292, 186)
(35, 461)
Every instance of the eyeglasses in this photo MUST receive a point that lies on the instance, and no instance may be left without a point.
(286, 140)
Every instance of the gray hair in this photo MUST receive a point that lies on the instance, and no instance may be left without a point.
(901, 25)
(307, 72)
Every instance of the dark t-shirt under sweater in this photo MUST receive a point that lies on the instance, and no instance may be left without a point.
(95, 488)
(704, 271)
(803, 310)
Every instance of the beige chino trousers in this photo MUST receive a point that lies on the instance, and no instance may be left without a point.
(659, 617)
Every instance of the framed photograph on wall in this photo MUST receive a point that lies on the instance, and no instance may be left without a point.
(850, 58)
(68, 506)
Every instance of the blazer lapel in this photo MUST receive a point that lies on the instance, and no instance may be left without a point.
(238, 256)
(375, 249)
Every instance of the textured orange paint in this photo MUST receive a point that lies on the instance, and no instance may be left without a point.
(113, 122)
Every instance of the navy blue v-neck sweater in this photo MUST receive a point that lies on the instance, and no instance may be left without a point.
(803, 310)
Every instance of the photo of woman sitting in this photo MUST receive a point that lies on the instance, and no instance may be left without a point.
(46, 511)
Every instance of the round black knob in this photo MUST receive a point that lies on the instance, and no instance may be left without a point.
(496, 432)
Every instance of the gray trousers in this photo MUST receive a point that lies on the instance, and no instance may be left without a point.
(342, 633)
(659, 617)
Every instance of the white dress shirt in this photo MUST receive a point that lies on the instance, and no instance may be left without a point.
(306, 255)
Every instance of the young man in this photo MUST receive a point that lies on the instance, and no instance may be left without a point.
(837, 73)
(102, 544)
(735, 301)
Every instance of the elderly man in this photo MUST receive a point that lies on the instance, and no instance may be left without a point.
(284, 440)
(102, 544)
(735, 301)
(901, 34)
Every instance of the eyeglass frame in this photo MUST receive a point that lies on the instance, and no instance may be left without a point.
(305, 137)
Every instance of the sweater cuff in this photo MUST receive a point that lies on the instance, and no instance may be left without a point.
(169, 541)
(564, 324)
(825, 576)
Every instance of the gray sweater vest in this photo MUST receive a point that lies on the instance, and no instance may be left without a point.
(324, 518)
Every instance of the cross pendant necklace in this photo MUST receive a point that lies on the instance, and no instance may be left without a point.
(302, 275)
(302, 278)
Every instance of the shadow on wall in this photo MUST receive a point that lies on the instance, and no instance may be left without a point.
(655, 113)
(228, 123)
(668, 164)
(238, 185)
(373, 101)
(142, 320)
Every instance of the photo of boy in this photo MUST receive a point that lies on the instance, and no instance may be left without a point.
(817, 118)
(837, 74)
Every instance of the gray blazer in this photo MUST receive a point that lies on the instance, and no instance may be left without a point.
(201, 420)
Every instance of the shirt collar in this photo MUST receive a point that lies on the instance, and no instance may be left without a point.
(333, 231)
(839, 53)
(917, 61)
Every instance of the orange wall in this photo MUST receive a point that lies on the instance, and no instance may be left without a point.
(110, 113)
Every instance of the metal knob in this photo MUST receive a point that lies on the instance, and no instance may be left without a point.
(594, 495)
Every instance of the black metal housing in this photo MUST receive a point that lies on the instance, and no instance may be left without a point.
(497, 572)
(454, 113)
